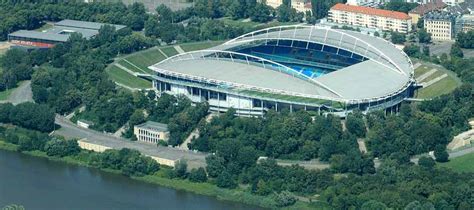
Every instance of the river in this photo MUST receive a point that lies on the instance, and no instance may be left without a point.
(38, 183)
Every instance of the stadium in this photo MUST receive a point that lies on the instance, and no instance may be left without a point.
(292, 68)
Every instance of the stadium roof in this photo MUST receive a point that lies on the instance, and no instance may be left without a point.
(371, 11)
(387, 71)
(61, 31)
(85, 24)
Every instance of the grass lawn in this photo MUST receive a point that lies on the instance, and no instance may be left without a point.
(3, 51)
(438, 73)
(146, 58)
(169, 51)
(131, 67)
(4, 94)
(444, 86)
(421, 70)
(461, 164)
(120, 76)
(199, 45)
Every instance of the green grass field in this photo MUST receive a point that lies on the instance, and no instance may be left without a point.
(169, 51)
(146, 58)
(433, 76)
(421, 70)
(4, 94)
(199, 45)
(123, 77)
(461, 164)
(444, 86)
(131, 67)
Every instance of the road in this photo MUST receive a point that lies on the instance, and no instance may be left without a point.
(71, 130)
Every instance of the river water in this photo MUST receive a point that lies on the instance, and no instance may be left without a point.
(37, 183)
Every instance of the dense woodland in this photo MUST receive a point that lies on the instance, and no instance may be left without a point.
(72, 74)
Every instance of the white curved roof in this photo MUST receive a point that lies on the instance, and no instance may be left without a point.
(387, 71)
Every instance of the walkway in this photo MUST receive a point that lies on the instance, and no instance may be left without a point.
(179, 49)
(20, 94)
(435, 80)
(71, 130)
(426, 75)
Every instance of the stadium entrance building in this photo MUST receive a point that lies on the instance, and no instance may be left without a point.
(294, 68)
(59, 33)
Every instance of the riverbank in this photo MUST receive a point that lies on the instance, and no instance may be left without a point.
(207, 189)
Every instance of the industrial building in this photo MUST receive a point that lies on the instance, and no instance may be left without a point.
(59, 33)
(370, 18)
(312, 68)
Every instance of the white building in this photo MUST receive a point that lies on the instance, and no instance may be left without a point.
(151, 132)
(440, 25)
(385, 20)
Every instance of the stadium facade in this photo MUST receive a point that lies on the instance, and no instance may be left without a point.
(292, 68)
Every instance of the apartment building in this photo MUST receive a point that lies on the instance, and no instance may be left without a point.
(151, 132)
(464, 24)
(298, 5)
(440, 25)
(370, 18)
(423, 9)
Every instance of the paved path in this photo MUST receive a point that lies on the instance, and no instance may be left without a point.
(416, 65)
(161, 51)
(179, 49)
(435, 80)
(71, 130)
(20, 94)
(426, 75)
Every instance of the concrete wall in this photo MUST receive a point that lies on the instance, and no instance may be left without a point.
(91, 146)
(99, 148)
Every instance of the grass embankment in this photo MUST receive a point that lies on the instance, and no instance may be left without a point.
(187, 47)
(443, 86)
(139, 62)
(121, 76)
(461, 164)
(159, 178)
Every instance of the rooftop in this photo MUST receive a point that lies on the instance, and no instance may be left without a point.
(439, 15)
(85, 24)
(150, 125)
(61, 31)
(387, 70)
(422, 9)
(371, 11)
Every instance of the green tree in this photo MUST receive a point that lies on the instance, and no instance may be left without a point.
(181, 169)
(61, 148)
(373, 205)
(397, 38)
(284, 198)
(215, 165)
(426, 162)
(355, 124)
(441, 154)
(456, 51)
(424, 36)
(198, 175)
(225, 180)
